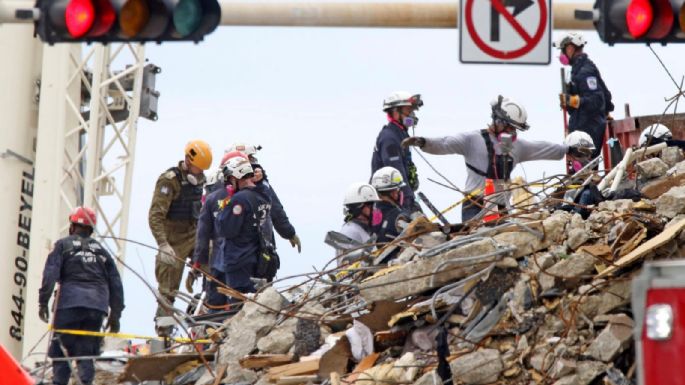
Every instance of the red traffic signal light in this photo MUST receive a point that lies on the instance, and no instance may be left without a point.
(641, 21)
(126, 20)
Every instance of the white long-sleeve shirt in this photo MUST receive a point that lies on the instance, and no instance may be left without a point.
(471, 146)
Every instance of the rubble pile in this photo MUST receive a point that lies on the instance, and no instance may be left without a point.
(542, 298)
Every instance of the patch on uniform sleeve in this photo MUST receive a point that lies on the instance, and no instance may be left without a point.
(170, 174)
(592, 82)
(237, 209)
(164, 190)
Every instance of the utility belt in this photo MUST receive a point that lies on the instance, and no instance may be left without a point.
(499, 165)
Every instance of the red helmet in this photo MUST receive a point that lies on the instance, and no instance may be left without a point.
(83, 215)
(232, 154)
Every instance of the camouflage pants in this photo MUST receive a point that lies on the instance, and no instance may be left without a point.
(169, 276)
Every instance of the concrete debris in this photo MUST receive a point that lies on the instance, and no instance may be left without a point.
(652, 168)
(543, 298)
(480, 367)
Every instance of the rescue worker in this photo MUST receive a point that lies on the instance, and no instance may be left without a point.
(358, 209)
(400, 108)
(208, 241)
(90, 288)
(659, 133)
(241, 222)
(174, 210)
(278, 219)
(389, 218)
(492, 153)
(587, 98)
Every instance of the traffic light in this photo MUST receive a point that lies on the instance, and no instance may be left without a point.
(641, 21)
(104, 21)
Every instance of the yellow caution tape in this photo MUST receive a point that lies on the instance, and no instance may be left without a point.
(126, 336)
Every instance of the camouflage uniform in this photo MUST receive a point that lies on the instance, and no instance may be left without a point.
(173, 219)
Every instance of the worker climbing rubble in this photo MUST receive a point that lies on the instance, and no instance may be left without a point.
(492, 153)
(174, 210)
(89, 290)
(400, 108)
(242, 222)
(587, 98)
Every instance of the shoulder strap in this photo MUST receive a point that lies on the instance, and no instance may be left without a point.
(491, 151)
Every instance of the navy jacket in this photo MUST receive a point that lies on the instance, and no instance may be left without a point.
(389, 152)
(206, 231)
(595, 98)
(385, 219)
(278, 216)
(87, 275)
(238, 224)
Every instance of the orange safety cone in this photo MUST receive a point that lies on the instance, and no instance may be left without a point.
(12, 373)
(491, 213)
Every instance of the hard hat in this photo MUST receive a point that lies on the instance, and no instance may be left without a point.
(387, 179)
(360, 193)
(574, 38)
(247, 149)
(579, 139)
(215, 176)
(237, 165)
(656, 131)
(83, 215)
(402, 98)
(510, 112)
(199, 153)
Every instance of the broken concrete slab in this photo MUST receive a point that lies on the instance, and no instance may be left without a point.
(573, 268)
(612, 340)
(562, 367)
(655, 188)
(586, 372)
(615, 295)
(280, 339)
(652, 168)
(672, 202)
(480, 367)
(671, 156)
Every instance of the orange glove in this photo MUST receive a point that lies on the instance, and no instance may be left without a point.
(572, 101)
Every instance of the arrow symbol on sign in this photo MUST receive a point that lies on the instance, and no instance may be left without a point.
(519, 6)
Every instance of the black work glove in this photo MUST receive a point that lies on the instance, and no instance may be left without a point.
(44, 313)
(416, 141)
(113, 322)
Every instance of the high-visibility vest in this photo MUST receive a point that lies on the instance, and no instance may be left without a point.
(12, 372)
(492, 212)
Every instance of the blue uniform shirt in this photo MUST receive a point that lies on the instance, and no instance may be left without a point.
(278, 216)
(87, 275)
(389, 152)
(237, 224)
(206, 231)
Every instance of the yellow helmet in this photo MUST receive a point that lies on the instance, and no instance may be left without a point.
(199, 153)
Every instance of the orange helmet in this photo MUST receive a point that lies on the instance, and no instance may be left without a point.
(83, 215)
(199, 153)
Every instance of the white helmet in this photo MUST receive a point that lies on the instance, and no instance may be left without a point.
(579, 139)
(248, 149)
(656, 131)
(237, 166)
(387, 179)
(510, 112)
(402, 98)
(574, 38)
(360, 193)
(215, 176)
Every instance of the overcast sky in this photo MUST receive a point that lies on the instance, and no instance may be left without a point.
(312, 98)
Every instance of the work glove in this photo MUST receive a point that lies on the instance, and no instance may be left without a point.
(416, 141)
(190, 279)
(295, 242)
(44, 313)
(579, 152)
(113, 324)
(569, 101)
(167, 254)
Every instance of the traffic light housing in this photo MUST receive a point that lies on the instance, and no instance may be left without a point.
(104, 21)
(641, 21)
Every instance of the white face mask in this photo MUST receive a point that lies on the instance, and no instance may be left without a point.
(191, 179)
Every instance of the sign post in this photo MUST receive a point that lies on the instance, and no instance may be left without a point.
(505, 31)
